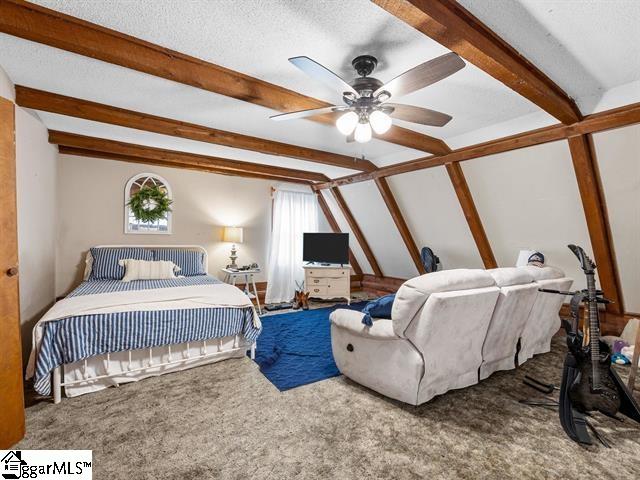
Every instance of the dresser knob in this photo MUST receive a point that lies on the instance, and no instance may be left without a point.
(12, 272)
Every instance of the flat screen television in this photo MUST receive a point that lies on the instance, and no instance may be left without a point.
(326, 248)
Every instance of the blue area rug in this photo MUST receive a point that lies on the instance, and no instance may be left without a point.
(295, 348)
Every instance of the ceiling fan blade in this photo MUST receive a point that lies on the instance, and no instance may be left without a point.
(422, 75)
(424, 116)
(323, 74)
(308, 113)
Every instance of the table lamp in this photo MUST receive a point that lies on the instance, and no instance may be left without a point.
(232, 235)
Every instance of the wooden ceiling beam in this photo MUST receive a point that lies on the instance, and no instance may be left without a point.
(186, 165)
(74, 107)
(403, 228)
(324, 206)
(454, 27)
(597, 122)
(55, 29)
(595, 211)
(355, 228)
(142, 151)
(471, 214)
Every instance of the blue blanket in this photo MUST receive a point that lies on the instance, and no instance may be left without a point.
(295, 348)
(75, 338)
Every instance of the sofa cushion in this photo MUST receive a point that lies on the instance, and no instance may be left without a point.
(544, 273)
(352, 320)
(507, 276)
(413, 293)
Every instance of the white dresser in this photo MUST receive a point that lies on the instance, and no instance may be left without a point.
(328, 282)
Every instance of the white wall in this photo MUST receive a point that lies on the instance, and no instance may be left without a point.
(6, 86)
(91, 200)
(618, 154)
(36, 193)
(529, 198)
(434, 216)
(344, 227)
(373, 217)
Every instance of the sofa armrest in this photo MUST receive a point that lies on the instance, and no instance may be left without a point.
(382, 329)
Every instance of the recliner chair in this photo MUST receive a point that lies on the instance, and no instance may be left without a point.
(432, 344)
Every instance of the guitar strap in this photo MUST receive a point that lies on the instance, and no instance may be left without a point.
(573, 422)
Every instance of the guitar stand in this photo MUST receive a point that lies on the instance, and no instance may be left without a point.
(549, 402)
(536, 384)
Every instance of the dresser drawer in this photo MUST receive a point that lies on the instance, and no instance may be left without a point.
(328, 272)
(314, 281)
(318, 290)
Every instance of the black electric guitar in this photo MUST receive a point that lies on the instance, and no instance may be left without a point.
(595, 387)
(589, 383)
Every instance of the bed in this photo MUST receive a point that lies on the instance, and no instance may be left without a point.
(107, 332)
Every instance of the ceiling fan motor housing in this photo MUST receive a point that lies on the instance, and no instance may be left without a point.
(365, 86)
(364, 64)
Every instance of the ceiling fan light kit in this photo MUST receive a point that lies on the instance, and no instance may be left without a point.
(380, 121)
(366, 108)
(363, 132)
(347, 123)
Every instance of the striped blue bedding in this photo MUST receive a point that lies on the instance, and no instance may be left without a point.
(107, 286)
(75, 338)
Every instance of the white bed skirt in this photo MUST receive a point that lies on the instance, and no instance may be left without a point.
(120, 364)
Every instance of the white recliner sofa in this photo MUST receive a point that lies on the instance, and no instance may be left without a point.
(544, 318)
(448, 329)
(518, 293)
(432, 344)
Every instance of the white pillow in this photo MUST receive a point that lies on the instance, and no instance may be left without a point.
(148, 270)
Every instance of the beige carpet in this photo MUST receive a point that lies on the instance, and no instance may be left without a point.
(227, 421)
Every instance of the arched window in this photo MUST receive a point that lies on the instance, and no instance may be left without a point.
(131, 223)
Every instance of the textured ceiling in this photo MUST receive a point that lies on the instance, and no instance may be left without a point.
(257, 36)
(586, 46)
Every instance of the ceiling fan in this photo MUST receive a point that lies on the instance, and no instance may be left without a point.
(366, 99)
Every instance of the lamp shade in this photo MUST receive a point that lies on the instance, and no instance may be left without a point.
(232, 234)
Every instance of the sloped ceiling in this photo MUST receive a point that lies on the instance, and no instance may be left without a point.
(256, 37)
(591, 49)
(587, 47)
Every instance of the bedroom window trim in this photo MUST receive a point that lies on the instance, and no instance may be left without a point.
(155, 179)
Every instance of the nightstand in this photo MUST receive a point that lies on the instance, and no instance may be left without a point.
(231, 277)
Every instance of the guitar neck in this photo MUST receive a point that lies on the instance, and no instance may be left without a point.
(594, 329)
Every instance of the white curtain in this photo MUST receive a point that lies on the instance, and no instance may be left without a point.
(294, 213)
